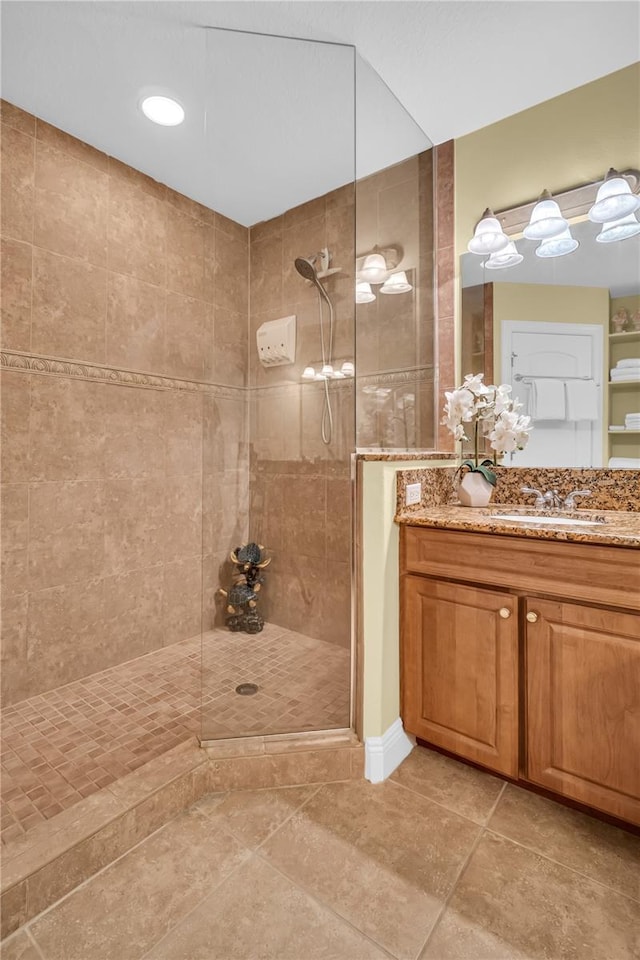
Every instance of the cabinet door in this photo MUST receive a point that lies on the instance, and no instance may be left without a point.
(583, 704)
(460, 670)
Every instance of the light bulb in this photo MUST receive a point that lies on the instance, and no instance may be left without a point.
(509, 257)
(546, 220)
(348, 368)
(364, 293)
(620, 229)
(614, 200)
(308, 373)
(327, 370)
(397, 283)
(374, 268)
(488, 236)
(557, 246)
(162, 110)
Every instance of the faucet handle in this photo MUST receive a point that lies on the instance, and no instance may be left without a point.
(540, 500)
(570, 499)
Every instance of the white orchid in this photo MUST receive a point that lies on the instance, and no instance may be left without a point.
(490, 409)
(510, 432)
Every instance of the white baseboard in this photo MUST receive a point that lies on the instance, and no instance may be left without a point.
(382, 755)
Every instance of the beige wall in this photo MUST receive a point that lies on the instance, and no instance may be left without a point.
(381, 592)
(105, 272)
(536, 302)
(571, 139)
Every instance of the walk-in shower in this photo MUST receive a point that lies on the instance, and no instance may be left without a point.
(306, 268)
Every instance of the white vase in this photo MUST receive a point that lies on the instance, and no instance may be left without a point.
(473, 490)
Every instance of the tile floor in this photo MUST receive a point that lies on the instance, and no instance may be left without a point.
(440, 862)
(70, 742)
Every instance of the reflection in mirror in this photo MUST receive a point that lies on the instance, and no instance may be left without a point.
(564, 332)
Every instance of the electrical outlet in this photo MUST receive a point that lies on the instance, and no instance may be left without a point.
(413, 493)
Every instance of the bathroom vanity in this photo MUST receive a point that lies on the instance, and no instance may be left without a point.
(520, 648)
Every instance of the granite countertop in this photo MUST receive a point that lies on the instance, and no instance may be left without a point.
(404, 455)
(619, 529)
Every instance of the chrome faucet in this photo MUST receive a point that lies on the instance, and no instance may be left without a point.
(549, 499)
(552, 498)
(570, 499)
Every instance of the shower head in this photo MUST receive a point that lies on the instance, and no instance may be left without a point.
(306, 269)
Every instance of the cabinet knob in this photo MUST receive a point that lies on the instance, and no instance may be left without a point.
(505, 613)
(532, 617)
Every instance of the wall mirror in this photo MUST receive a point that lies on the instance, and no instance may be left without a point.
(564, 332)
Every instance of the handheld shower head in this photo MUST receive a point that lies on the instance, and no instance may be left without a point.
(306, 269)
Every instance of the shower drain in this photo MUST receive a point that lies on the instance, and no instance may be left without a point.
(247, 689)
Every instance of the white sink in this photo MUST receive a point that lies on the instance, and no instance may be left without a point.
(536, 518)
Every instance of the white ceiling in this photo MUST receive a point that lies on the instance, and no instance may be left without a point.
(270, 122)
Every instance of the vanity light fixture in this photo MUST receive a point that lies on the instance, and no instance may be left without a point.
(558, 246)
(546, 219)
(396, 283)
(488, 236)
(348, 368)
(364, 293)
(614, 199)
(507, 257)
(620, 229)
(163, 110)
(308, 373)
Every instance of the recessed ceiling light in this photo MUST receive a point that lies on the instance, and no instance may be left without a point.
(162, 110)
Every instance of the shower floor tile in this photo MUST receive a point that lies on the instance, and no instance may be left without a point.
(68, 743)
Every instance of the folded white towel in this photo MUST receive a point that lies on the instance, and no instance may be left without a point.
(628, 463)
(629, 362)
(629, 373)
(547, 399)
(582, 400)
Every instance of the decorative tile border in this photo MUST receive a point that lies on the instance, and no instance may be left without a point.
(397, 377)
(53, 366)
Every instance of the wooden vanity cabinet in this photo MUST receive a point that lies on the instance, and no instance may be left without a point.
(460, 682)
(582, 668)
(501, 666)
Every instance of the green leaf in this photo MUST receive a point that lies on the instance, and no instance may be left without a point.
(489, 475)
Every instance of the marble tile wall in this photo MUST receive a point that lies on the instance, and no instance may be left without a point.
(394, 333)
(445, 284)
(300, 488)
(105, 537)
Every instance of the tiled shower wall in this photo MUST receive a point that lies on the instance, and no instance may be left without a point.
(300, 493)
(124, 320)
(128, 469)
(395, 332)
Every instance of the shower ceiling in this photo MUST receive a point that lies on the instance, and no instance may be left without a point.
(279, 114)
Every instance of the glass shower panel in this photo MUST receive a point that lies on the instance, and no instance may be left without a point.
(394, 270)
(278, 439)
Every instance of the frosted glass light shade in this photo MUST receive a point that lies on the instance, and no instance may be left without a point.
(308, 373)
(614, 200)
(327, 370)
(620, 229)
(348, 368)
(558, 246)
(488, 236)
(374, 268)
(508, 257)
(163, 110)
(546, 221)
(397, 283)
(364, 293)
